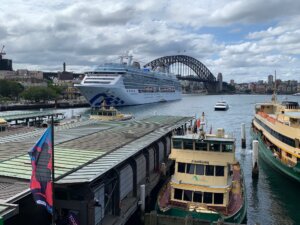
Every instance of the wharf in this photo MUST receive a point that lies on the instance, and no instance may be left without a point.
(99, 167)
(59, 105)
(32, 117)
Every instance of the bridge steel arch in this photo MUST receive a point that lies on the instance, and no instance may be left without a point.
(199, 68)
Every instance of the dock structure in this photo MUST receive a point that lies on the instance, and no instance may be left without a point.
(99, 167)
(29, 118)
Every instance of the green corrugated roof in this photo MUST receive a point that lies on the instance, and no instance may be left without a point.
(97, 168)
(79, 157)
(65, 160)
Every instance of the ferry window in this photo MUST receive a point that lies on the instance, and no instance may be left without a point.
(199, 145)
(181, 168)
(197, 196)
(218, 198)
(289, 155)
(219, 171)
(227, 147)
(177, 143)
(178, 194)
(214, 147)
(209, 170)
(207, 197)
(188, 144)
(200, 169)
(190, 168)
(187, 196)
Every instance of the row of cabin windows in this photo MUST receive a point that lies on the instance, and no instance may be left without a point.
(199, 169)
(198, 196)
(202, 146)
(282, 138)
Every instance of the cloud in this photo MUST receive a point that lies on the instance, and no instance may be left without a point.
(43, 34)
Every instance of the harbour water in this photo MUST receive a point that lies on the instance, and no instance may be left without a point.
(272, 199)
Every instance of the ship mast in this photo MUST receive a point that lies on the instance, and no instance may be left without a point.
(274, 96)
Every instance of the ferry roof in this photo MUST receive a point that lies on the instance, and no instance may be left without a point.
(207, 138)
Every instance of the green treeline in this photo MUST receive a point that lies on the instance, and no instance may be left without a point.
(11, 90)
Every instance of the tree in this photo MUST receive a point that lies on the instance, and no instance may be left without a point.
(38, 94)
(10, 89)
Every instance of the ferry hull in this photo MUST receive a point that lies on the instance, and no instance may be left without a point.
(118, 96)
(267, 156)
(221, 109)
(239, 217)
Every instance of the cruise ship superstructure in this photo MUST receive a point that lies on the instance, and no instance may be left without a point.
(121, 84)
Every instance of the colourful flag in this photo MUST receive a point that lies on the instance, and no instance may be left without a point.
(41, 160)
(198, 123)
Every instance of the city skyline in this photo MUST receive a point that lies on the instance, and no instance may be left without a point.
(245, 41)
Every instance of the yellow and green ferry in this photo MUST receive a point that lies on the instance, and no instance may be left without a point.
(208, 182)
(276, 126)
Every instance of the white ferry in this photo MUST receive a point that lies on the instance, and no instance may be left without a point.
(128, 84)
(221, 106)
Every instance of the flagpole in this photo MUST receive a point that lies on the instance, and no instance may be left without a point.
(53, 178)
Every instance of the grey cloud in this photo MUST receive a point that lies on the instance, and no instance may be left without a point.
(255, 11)
(118, 17)
(3, 32)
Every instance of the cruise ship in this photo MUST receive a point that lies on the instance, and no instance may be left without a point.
(276, 126)
(121, 84)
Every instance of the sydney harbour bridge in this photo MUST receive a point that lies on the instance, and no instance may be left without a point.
(187, 69)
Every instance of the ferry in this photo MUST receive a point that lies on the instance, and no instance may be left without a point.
(108, 113)
(221, 106)
(126, 83)
(208, 182)
(276, 126)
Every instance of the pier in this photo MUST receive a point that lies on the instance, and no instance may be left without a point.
(99, 168)
(29, 118)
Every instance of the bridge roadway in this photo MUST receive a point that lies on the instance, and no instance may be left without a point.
(99, 167)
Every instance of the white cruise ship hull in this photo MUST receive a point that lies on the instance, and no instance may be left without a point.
(119, 96)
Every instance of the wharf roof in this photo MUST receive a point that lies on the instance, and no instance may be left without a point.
(85, 150)
(26, 115)
(146, 132)
(7, 210)
(14, 159)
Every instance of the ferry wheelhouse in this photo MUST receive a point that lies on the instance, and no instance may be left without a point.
(208, 181)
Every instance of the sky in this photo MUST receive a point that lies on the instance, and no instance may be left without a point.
(244, 40)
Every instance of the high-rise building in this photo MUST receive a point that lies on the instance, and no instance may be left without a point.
(270, 80)
(231, 82)
(220, 82)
